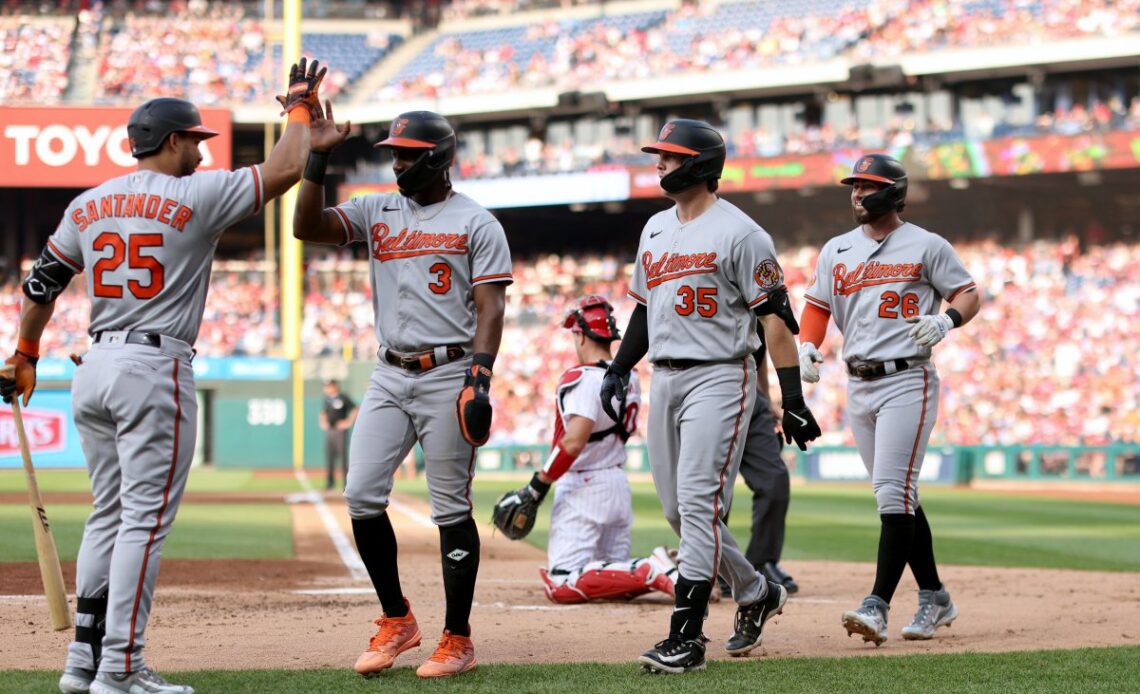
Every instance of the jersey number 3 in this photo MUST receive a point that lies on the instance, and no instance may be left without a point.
(132, 253)
(442, 283)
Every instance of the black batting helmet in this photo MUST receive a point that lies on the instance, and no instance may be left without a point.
(697, 140)
(151, 123)
(880, 168)
(593, 316)
(427, 131)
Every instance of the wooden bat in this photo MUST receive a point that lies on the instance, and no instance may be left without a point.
(50, 570)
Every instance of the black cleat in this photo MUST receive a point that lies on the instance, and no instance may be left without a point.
(750, 620)
(674, 656)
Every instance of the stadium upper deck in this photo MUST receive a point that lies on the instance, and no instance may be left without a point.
(631, 50)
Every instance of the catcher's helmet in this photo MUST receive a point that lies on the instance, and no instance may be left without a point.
(427, 131)
(700, 142)
(593, 316)
(880, 168)
(151, 123)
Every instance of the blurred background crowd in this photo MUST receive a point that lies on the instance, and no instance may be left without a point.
(1051, 358)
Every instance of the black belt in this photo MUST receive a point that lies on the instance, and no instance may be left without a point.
(868, 370)
(133, 337)
(420, 361)
(680, 364)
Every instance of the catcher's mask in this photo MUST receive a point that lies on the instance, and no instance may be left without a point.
(880, 168)
(150, 124)
(700, 143)
(593, 316)
(426, 131)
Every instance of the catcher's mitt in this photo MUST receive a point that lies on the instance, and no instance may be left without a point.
(516, 511)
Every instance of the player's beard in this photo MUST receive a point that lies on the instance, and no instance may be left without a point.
(189, 163)
(861, 215)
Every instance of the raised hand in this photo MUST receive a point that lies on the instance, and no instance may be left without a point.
(325, 134)
(304, 88)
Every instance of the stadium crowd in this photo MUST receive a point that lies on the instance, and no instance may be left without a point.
(215, 52)
(1040, 363)
(564, 155)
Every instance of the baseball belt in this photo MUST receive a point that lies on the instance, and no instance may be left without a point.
(141, 337)
(422, 361)
(680, 364)
(869, 370)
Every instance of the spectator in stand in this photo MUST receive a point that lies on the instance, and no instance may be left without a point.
(1013, 379)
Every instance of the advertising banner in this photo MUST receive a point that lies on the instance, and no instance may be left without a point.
(52, 437)
(66, 147)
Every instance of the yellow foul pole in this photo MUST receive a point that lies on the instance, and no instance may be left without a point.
(291, 254)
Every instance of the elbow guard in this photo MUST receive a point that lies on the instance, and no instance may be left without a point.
(47, 279)
(778, 303)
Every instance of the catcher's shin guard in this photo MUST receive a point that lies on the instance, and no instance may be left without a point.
(600, 580)
(563, 593)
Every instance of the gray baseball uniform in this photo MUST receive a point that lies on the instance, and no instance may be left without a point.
(870, 288)
(426, 262)
(147, 241)
(699, 282)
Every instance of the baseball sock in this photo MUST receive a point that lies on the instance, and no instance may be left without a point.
(691, 601)
(895, 539)
(376, 542)
(921, 558)
(459, 547)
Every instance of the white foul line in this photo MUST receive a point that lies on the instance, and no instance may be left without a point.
(417, 517)
(344, 548)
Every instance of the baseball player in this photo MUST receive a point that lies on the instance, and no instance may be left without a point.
(588, 548)
(440, 267)
(884, 282)
(704, 272)
(147, 240)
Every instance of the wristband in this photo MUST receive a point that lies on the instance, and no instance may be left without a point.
(29, 348)
(30, 359)
(539, 486)
(484, 359)
(300, 114)
(789, 382)
(955, 317)
(315, 168)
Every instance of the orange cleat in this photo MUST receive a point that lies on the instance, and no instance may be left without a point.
(454, 655)
(396, 635)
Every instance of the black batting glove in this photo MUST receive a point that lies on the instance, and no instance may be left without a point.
(799, 424)
(614, 386)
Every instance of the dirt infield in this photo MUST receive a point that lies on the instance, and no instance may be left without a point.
(246, 614)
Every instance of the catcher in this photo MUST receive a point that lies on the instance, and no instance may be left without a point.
(588, 552)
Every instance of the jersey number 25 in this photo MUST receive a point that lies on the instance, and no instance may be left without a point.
(132, 253)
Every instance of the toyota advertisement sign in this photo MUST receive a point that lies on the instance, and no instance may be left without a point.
(81, 147)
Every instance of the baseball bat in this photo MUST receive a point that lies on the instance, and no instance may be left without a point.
(50, 570)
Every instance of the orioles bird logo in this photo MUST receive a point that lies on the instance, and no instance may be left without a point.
(864, 164)
(666, 132)
(767, 274)
(398, 127)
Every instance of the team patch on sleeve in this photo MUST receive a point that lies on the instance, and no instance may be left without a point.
(767, 275)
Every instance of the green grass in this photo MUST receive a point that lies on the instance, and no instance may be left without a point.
(1085, 670)
(839, 522)
(836, 522)
(201, 480)
(201, 531)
